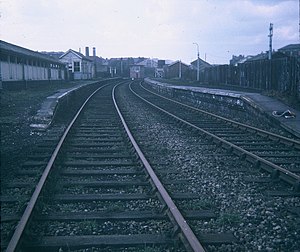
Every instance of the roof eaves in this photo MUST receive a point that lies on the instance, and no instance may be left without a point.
(71, 51)
(24, 51)
(290, 46)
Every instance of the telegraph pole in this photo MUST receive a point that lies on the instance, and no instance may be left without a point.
(198, 62)
(270, 56)
(270, 40)
(179, 69)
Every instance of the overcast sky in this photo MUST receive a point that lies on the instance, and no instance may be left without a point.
(163, 29)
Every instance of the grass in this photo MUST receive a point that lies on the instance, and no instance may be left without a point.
(17, 110)
(14, 102)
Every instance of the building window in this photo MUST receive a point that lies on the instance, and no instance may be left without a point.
(76, 66)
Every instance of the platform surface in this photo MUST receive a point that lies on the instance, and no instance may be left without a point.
(264, 103)
(44, 115)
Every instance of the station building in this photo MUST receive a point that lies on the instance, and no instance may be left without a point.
(80, 67)
(21, 67)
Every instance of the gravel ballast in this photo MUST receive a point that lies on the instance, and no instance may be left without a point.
(259, 222)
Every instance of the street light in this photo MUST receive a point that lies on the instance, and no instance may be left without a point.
(198, 61)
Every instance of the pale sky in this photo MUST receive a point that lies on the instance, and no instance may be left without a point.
(164, 29)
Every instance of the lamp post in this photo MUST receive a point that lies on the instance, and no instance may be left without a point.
(198, 61)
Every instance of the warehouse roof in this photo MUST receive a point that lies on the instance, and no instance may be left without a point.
(14, 49)
(290, 47)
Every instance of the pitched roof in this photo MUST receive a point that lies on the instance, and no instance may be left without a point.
(174, 63)
(78, 54)
(290, 47)
(202, 64)
(5, 46)
(264, 56)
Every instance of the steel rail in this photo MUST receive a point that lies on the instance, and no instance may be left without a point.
(282, 139)
(187, 232)
(289, 177)
(14, 242)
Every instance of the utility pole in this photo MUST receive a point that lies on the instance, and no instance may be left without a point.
(198, 62)
(122, 67)
(270, 57)
(179, 69)
(270, 40)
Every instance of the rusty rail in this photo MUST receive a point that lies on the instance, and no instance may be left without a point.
(287, 176)
(282, 139)
(15, 241)
(189, 237)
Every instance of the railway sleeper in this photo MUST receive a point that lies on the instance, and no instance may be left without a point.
(113, 149)
(95, 145)
(282, 193)
(87, 163)
(65, 243)
(116, 197)
(87, 172)
(123, 216)
(104, 183)
(96, 155)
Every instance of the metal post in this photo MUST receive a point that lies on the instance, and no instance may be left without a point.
(198, 62)
(179, 69)
(270, 41)
(269, 85)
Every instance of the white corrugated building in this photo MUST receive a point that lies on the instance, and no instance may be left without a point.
(19, 65)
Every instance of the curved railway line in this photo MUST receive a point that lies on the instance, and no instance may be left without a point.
(99, 191)
(273, 153)
(111, 183)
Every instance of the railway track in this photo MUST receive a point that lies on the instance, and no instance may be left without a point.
(102, 194)
(273, 153)
(98, 191)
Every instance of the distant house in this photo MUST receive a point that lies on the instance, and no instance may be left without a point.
(177, 70)
(265, 56)
(149, 66)
(239, 59)
(137, 71)
(79, 66)
(202, 65)
(150, 63)
(159, 70)
(100, 66)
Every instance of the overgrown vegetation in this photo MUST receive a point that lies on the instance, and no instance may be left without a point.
(17, 110)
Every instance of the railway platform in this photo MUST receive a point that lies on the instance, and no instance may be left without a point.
(286, 116)
(44, 116)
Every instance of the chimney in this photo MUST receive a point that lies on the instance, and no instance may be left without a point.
(94, 51)
(87, 51)
(79, 49)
